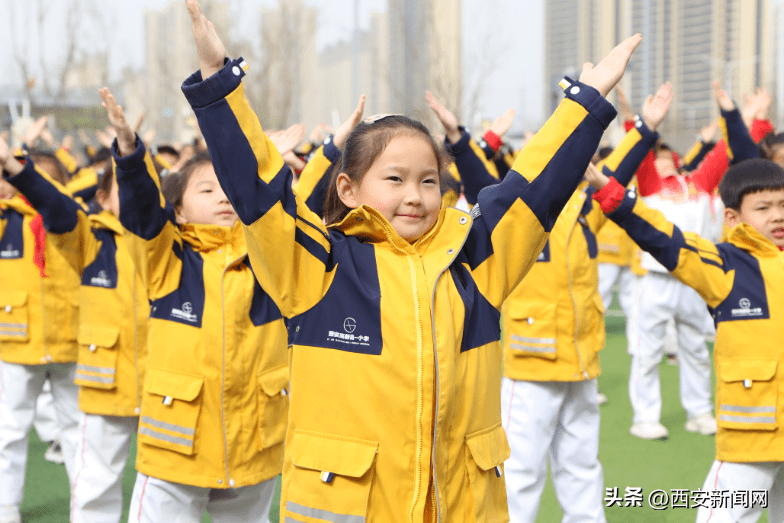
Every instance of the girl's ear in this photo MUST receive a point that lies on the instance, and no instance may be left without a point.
(732, 217)
(346, 191)
(179, 215)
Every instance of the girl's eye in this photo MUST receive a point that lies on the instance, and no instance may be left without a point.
(394, 178)
(430, 180)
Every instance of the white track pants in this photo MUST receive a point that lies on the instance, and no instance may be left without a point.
(662, 297)
(104, 443)
(20, 386)
(559, 420)
(45, 421)
(609, 275)
(155, 501)
(744, 477)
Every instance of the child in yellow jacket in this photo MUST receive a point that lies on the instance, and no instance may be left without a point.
(112, 337)
(215, 393)
(39, 319)
(394, 305)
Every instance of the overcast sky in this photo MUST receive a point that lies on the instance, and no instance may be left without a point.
(513, 30)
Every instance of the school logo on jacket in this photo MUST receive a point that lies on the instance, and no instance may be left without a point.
(10, 252)
(101, 280)
(746, 311)
(348, 337)
(185, 313)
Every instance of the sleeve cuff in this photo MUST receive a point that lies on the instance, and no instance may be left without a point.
(201, 93)
(732, 117)
(127, 163)
(493, 140)
(587, 96)
(461, 145)
(331, 152)
(610, 196)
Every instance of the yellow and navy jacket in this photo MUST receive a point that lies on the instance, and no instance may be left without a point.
(395, 346)
(112, 299)
(39, 316)
(742, 281)
(215, 393)
(312, 184)
(553, 321)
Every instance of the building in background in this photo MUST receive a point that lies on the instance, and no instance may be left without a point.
(691, 43)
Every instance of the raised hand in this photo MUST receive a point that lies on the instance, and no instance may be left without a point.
(68, 142)
(139, 121)
(103, 138)
(446, 117)
(757, 104)
(595, 177)
(623, 102)
(7, 161)
(342, 132)
(317, 135)
(126, 138)
(656, 106)
(709, 131)
(607, 73)
(35, 130)
(148, 137)
(286, 141)
(502, 124)
(209, 47)
(722, 98)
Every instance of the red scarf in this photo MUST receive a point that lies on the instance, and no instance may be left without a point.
(39, 234)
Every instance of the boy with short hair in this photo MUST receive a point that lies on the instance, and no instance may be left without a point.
(742, 282)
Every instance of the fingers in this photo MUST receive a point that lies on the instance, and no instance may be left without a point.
(357, 114)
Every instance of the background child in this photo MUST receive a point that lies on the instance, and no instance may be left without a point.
(215, 396)
(397, 303)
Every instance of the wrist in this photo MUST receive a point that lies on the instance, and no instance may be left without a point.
(454, 136)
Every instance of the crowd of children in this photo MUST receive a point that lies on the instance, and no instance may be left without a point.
(249, 307)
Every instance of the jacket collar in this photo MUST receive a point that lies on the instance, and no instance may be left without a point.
(208, 237)
(746, 237)
(19, 205)
(369, 225)
(107, 220)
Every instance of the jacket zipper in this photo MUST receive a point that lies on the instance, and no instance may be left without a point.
(420, 389)
(574, 303)
(43, 318)
(223, 365)
(136, 345)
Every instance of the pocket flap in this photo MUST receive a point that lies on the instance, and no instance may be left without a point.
(101, 336)
(275, 381)
(169, 383)
(337, 454)
(489, 447)
(13, 298)
(531, 311)
(754, 370)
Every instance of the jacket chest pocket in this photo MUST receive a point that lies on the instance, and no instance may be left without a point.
(485, 454)
(97, 363)
(530, 329)
(330, 479)
(273, 406)
(748, 398)
(14, 316)
(170, 410)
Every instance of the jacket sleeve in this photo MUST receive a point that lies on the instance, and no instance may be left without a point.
(288, 245)
(312, 184)
(473, 170)
(760, 129)
(696, 155)
(735, 146)
(693, 260)
(63, 218)
(513, 219)
(150, 230)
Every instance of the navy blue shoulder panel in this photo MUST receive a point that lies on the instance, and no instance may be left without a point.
(102, 272)
(12, 242)
(186, 304)
(262, 309)
(748, 299)
(348, 317)
(482, 321)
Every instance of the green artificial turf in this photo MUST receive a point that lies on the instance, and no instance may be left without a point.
(681, 462)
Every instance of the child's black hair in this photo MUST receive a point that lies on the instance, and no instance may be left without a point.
(58, 172)
(101, 155)
(604, 152)
(748, 177)
(770, 144)
(168, 149)
(366, 143)
(174, 184)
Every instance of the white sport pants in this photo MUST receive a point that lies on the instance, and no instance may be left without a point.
(19, 389)
(155, 501)
(45, 421)
(660, 297)
(559, 420)
(609, 275)
(744, 477)
(102, 451)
